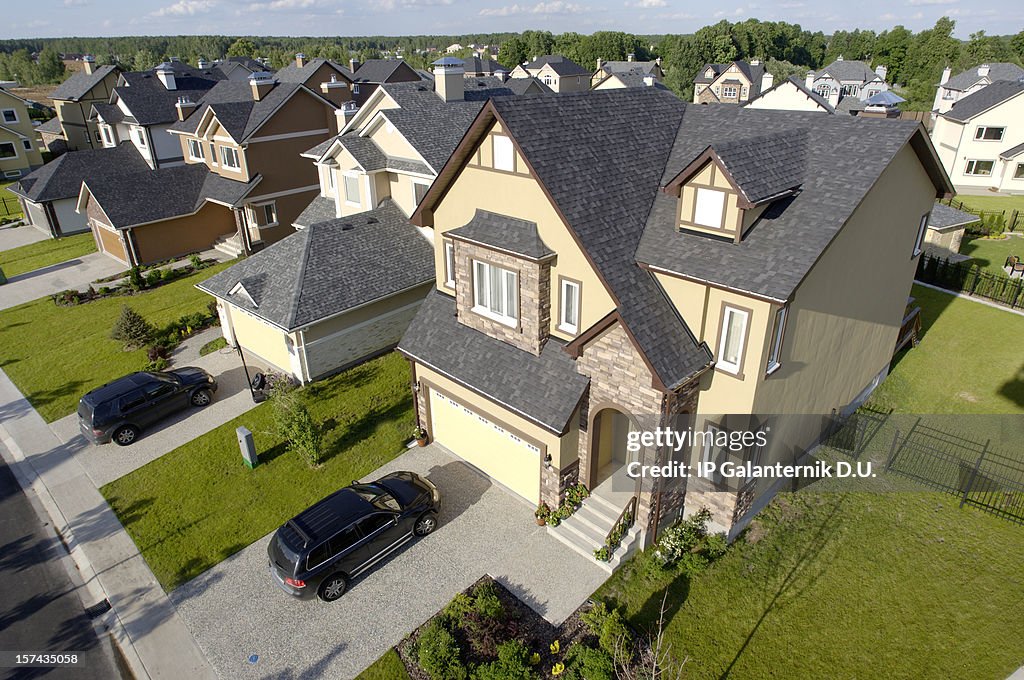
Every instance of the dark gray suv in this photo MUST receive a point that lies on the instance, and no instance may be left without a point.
(328, 544)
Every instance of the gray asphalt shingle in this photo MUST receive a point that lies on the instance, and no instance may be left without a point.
(510, 234)
(235, 108)
(150, 103)
(943, 216)
(79, 84)
(62, 177)
(765, 165)
(997, 71)
(984, 99)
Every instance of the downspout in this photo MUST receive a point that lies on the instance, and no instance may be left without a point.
(133, 256)
(303, 359)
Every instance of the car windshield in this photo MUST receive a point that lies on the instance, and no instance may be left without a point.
(163, 377)
(377, 496)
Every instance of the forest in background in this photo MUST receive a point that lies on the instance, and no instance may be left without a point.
(914, 60)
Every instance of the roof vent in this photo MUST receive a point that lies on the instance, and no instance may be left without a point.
(347, 226)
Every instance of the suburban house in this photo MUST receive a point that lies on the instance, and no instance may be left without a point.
(478, 67)
(631, 66)
(615, 81)
(729, 264)
(240, 187)
(946, 227)
(733, 83)
(952, 89)
(73, 100)
(847, 84)
(557, 72)
(790, 95)
(19, 150)
(331, 80)
(49, 195)
(346, 286)
(234, 68)
(368, 76)
(142, 109)
(980, 139)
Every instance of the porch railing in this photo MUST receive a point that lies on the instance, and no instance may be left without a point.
(623, 524)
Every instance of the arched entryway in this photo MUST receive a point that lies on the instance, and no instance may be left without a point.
(609, 455)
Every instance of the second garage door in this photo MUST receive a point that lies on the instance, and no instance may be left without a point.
(502, 455)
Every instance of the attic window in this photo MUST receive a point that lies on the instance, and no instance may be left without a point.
(709, 208)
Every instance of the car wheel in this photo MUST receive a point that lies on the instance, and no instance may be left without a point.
(333, 587)
(201, 398)
(425, 524)
(125, 435)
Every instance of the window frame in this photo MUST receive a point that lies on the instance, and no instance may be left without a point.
(448, 248)
(727, 89)
(511, 149)
(192, 145)
(778, 337)
(718, 195)
(214, 157)
(231, 151)
(419, 183)
(26, 144)
(981, 130)
(332, 182)
(3, 117)
(563, 325)
(922, 229)
(258, 211)
(14, 149)
(734, 369)
(140, 135)
(354, 176)
(1018, 172)
(108, 136)
(972, 163)
(481, 288)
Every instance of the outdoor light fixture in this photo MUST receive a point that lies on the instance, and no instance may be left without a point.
(547, 460)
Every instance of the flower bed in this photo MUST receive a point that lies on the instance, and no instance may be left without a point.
(135, 280)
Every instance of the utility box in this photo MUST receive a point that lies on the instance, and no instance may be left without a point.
(248, 447)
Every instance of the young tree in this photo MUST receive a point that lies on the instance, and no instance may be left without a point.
(243, 47)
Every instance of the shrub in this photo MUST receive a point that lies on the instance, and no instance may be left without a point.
(486, 602)
(154, 352)
(586, 663)
(197, 263)
(296, 426)
(104, 290)
(212, 346)
(513, 663)
(160, 364)
(153, 278)
(575, 494)
(169, 274)
(135, 280)
(67, 298)
(610, 628)
(455, 611)
(683, 537)
(438, 653)
(131, 329)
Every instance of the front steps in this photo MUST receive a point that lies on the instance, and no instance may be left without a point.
(230, 245)
(587, 528)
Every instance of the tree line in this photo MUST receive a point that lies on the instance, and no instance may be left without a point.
(914, 60)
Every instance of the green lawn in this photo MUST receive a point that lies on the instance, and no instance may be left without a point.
(56, 354)
(11, 207)
(44, 253)
(387, 667)
(993, 203)
(990, 254)
(198, 504)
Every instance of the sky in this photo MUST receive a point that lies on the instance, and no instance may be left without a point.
(56, 18)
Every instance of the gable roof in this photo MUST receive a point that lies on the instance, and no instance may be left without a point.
(485, 66)
(632, 79)
(752, 72)
(798, 83)
(79, 84)
(51, 127)
(944, 216)
(293, 74)
(1012, 152)
(984, 99)
(563, 66)
(379, 70)
(62, 177)
(848, 70)
(644, 67)
(997, 71)
(150, 103)
(531, 85)
(329, 267)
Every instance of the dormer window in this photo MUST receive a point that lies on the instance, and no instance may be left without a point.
(229, 158)
(195, 150)
(495, 292)
(504, 153)
(709, 208)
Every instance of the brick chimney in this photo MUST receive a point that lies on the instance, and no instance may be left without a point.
(449, 79)
(300, 60)
(89, 63)
(185, 106)
(261, 83)
(165, 72)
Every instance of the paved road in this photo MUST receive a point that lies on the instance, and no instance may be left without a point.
(39, 610)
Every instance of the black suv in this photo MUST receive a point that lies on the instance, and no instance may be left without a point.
(119, 410)
(328, 544)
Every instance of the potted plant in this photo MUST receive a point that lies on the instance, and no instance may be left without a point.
(420, 435)
(542, 513)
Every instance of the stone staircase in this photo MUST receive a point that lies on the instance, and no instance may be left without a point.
(587, 528)
(229, 244)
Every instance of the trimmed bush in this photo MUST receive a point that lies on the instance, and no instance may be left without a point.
(131, 329)
(296, 426)
(438, 653)
(486, 602)
(587, 663)
(513, 663)
(212, 346)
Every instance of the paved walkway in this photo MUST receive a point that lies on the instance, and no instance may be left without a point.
(76, 273)
(15, 237)
(155, 641)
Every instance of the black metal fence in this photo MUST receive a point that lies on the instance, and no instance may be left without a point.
(9, 206)
(967, 277)
(981, 476)
(1012, 219)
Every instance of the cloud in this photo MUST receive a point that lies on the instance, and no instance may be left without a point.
(733, 13)
(552, 7)
(888, 16)
(184, 8)
(393, 4)
(647, 4)
(919, 3)
(679, 16)
(280, 5)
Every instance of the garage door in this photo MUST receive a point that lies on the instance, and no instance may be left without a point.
(110, 243)
(509, 459)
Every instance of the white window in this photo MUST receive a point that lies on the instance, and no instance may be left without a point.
(449, 264)
(849, 90)
(8, 150)
(823, 90)
(140, 134)
(744, 93)
(265, 215)
(107, 135)
(213, 154)
(27, 144)
(195, 149)
(976, 167)
(10, 116)
(332, 183)
(1019, 172)
(989, 134)
(495, 292)
(229, 158)
(419, 190)
(732, 339)
(708, 208)
(352, 189)
(504, 154)
(729, 92)
(921, 229)
(569, 310)
(775, 351)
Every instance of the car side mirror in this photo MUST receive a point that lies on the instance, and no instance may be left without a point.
(355, 482)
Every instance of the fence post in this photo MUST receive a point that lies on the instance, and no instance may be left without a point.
(892, 450)
(974, 473)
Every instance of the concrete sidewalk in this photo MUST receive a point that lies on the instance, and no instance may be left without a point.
(155, 641)
(15, 237)
(77, 273)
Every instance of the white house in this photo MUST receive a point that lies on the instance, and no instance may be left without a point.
(953, 89)
(847, 84)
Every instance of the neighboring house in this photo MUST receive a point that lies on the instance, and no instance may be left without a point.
(731, 266)
(52, 136)
(952, 89)
(240, 187)
(615, 81)
(234, 68)
(790, 95)
(347, 285)
(733, 83)
(49, 195)
(981, 138)
(847, 85)
(368, 76)
(19, 150)
(142, 109)
(478, 67)
(453, 48)
(557, 72)
(522, 86)
(73, 100)
(331, 80)
(946, 226)
(644, 68)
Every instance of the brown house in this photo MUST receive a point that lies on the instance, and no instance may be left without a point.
(73, 100)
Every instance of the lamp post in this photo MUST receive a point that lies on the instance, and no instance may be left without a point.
(248, 380)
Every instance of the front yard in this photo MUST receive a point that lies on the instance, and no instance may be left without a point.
(56, 354)
(9, 205)
(990, 254)
(993, 203)
(198, 504)
(33, 256)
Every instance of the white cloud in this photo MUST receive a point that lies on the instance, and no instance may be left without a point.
(679, 16)
(552, 7)
(917, 3)
(279, 5)
(185, 8)
(393, 4)
(647, 4)
(734, 13)
(888, 16)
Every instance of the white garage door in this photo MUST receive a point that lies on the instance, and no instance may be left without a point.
(506, 457)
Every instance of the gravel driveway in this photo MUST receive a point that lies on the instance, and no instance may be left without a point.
(237, 614)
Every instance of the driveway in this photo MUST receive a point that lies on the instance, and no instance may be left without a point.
(248, 628)
(104, 464)
(15, 237)
(76, 273)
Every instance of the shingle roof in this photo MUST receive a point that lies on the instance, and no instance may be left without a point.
(150, 103)
(293, 74)
(634, 79)
(619, 141)
(943, 216)
(563, 66)
(544, 389)
(485, 66)
(236, 111)
(366, 153)
(521, 86)
(996, 71)
(330, 267)
(1012, 152)
(78, 85)
(509, 234)
(643, 67)
(377, 70)
(62, 177)
(110, 113)
(798, 83)
(849, 104)
(849, 70)
(765, 165)
(51, 127)
(984, 99)
(319, 150)
(884, 98)
(320, 209)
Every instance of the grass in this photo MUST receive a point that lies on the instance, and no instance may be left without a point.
(56, 354)
(212, 346)
(198, 504)
(33, 256)
(9, 201)
(990, 254)
(387, 667)
(993, 203)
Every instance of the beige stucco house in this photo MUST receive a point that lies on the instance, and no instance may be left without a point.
(736, 82)
(73, 100)
(19, 146)
(725, 268)
(559, 73)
